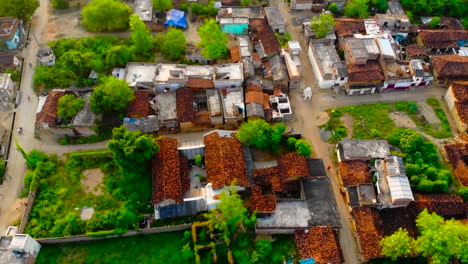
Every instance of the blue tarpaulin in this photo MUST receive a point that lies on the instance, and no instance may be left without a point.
(176, 18)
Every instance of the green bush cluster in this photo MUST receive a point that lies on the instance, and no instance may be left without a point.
(423, 165)
(60, 4)
(15, 75)
(260, 134)
(204, 10)
(334, 125)
(452, 8)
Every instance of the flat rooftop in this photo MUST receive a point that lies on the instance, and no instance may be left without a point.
(273, 15)
(214, 102)
(364, 149)
(232, 71)
(166, 106)
(248, 12)
(144, 9)
(233, 103)
(326, 55)
(140, 73)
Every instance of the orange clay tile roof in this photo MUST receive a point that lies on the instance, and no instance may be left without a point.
(442, 38)
(224, 161)
(166, 172)
(254, 97)
(443, 204)
(292, 166)
(450, 66)
(369, 72)
(268, 178)
(254, 87)
(458, 157)
(320, 243)
(262, 203)
(199, 83)
(260, 30)
(460, 91)
(184, 101)
(347, 27)
(140, 107)
(48, 112)
(235, 54)
(354, 172)
(415, 50)
(368, 231)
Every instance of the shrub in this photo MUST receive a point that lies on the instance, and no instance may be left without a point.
(303, 147)
(333, 8)
(15, 75)
(60, 4)
(34, 158)
(2, 168)
(291, 144)
(198, 160)
(69, 105)
(425, 186)
(463, 192)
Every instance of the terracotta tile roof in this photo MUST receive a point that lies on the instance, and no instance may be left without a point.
(347, 27)
(254, 87)
(460, 91)
(450, 66)
(184, 101)
(446, 205)
(262, 203)
(140, 107)
(254, 97)
(235, 54)
(369, 72)
(369, 231)
(48, 112)
(354, 172)
(442, 38)
(268, 178)
(448, 22)
(224, 161)
(458, 157)
(166, 172)
(261, 31)
(266, 101)
(292, 166)
(320, 243)
(415, 50)
(199, 83)
(202, 118)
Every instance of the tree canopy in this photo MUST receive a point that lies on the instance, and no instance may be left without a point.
(141, 36)
(119, 56)
(399, 244)
(21, 9)
(380, 5)
(106, 15)
(69, 105)
(174, 45)
(357, 8)
(213, 40)
(322, 25)
(303, 147)
(162, 5)
(452, 8)
(434, 23)
(111, 95)
(259, 134)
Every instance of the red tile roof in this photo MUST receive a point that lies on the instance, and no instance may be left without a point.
(292, 166)
(235, 54)
(450, 66)
(415, 50)
(254, 97)
(447, 205)
(262, 203)
(369, 72)
(320, 243)
(369, 232)
(184, 101)
(48, 112)
(166, 172)
(254, 87)
(460, 92)
(140, 107)
(268, 178)
(354, 172)
(458, 157)
(224, 161)
(347, 27)
(262, 32)
(199, 83)
(442, 38)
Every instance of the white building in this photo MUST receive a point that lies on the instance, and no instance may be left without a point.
(328, 69)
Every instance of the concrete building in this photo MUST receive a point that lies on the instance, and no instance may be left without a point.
(402, 76)
(18, 249)
(166, 110)
(194, 55)
(144, 10)
(393, 22)
(362, 149)
(233, 105)
(147, 124)
(301, 4)
(235, 20)
(12, 33)
(140, 74)
(228, 75)
(280, 107)
(326, 64)
(274, 18)
(293, 63)
(456, 98)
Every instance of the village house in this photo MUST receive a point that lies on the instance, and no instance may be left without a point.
(319, 244)
(364, 79)
(235, 20)
(140, 115)
(393, 22)
(347, 27)
(144, 10)
(18, 248)
(293, 62)
(257, 102)
(11, 34)
(442, 40)
(233, 106)
(301, 4)
(193, 55)
(8, 60)
(274, 18)
(326, 64)
(458, 157)
(456, 98)
(47, 119)
(264, 38)
(448, 68)
(280, 107)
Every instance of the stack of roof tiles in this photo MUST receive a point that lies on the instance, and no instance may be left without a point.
(447, 205)
(268, 178)
(292, 166)
(460, 92)
(347, 27)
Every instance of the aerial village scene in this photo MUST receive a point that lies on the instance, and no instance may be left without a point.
(234, 131)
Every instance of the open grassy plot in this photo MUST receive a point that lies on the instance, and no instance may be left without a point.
(155, 248)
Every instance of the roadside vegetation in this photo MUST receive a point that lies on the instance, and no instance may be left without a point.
(21, 9)
(453, 8)
(120, 201)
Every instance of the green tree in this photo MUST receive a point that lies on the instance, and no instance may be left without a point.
(322, 25)
(434, 23)
(333, 8)
(119, 56)
(213, 40)
(380, 5)
(198, 160)
(162, 5)
(175, 45)
(60, 4)
(283, 38)
(291, 143)
(112, 95)
(106, 15)
(399, 244)
(441, 240)
(141, 36)
(21, 9)
(69, 105)
(357, 8)
(262, 251)
(259, 134)
(245, 2)
(303, 147)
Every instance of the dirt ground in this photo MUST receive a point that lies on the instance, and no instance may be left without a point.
(92, 181)
(428, 113)
(402, 120)
(348, 122)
